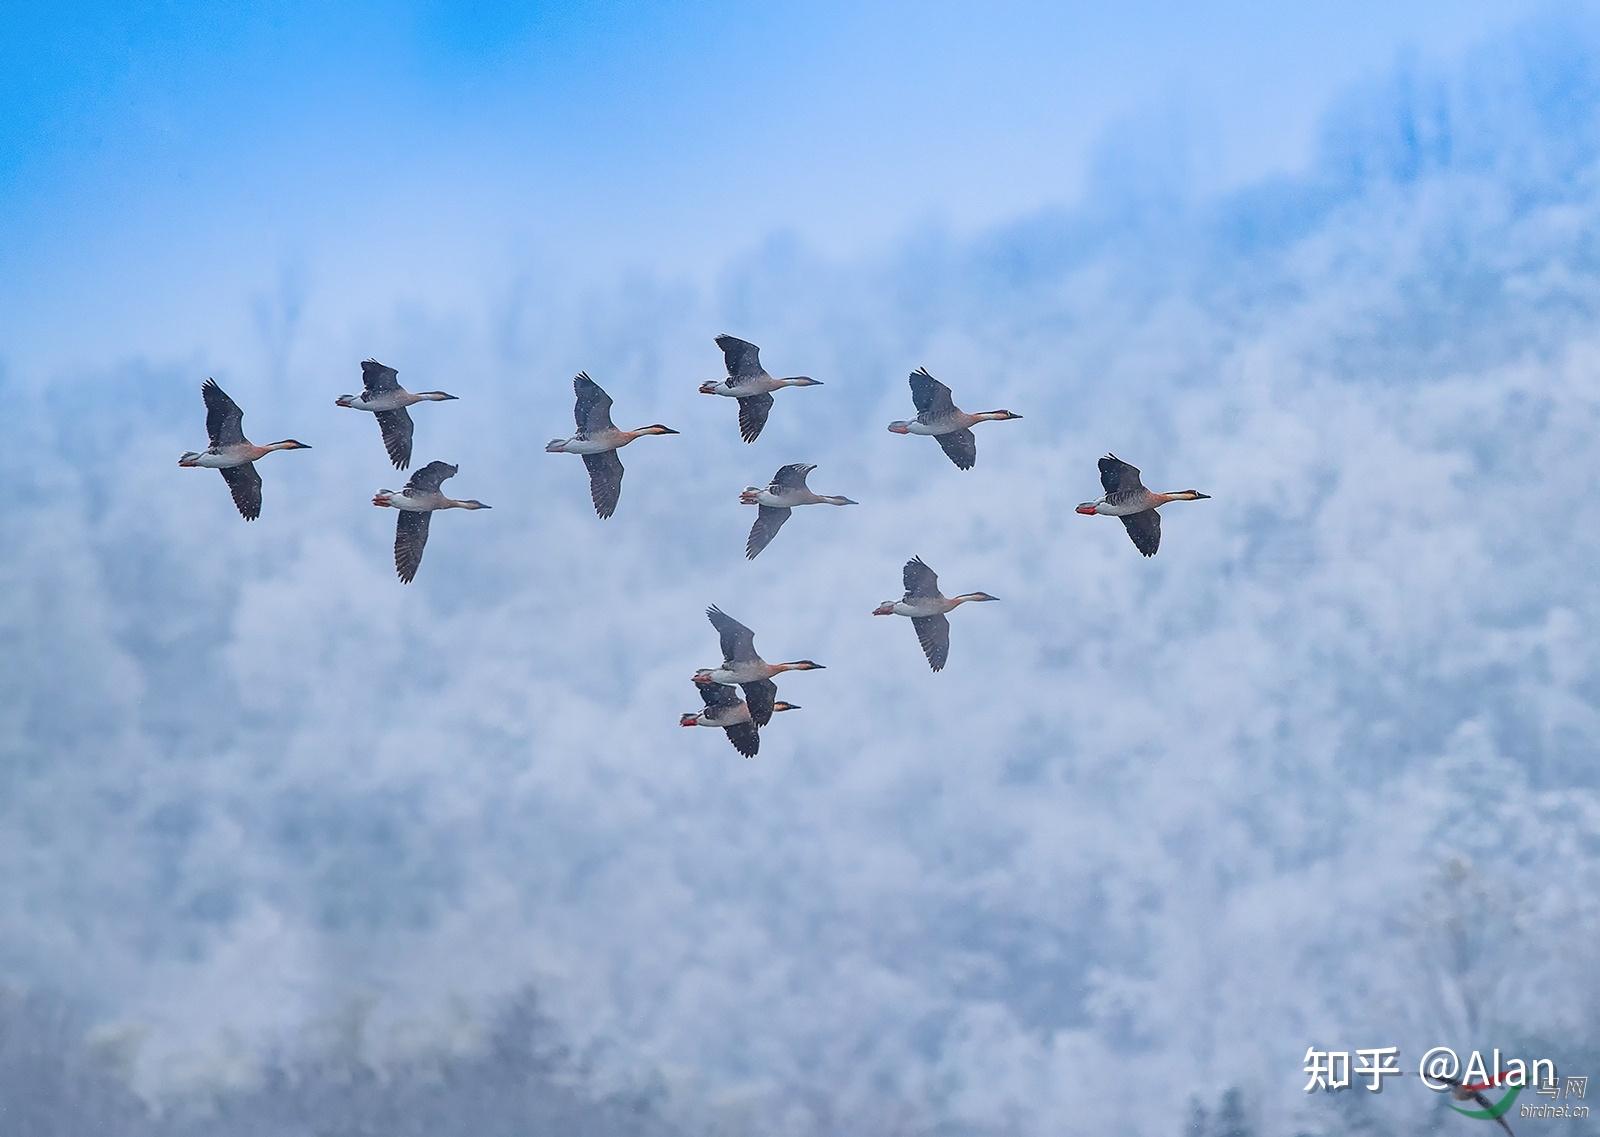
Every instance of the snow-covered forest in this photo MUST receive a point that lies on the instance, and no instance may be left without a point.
(1322, 773)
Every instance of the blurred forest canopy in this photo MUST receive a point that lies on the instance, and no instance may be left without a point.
(1364, 809)
(57, 1079)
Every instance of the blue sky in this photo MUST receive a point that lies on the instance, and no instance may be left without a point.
(1337, 271)
(158, 168)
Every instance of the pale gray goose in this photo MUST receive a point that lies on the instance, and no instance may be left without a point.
(750, 383)
(383, 396)
(939, 417)
(786, 490)
(1127, 498)
(598, 440)
(926, 606)
(230, 452)
(417, 503)
(742, 666)
(724, 708)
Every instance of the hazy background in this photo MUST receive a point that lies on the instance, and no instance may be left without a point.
(274, 828)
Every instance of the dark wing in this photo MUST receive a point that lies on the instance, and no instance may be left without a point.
(961, 446)
(246, 486)
(1145, 529)
(738, 641)
(792, 476)
(431, 477)
(931, 397)
(745, 737)
(593, 408)
(224, 419)
(759, 697)
(769, 519)
(1115, 474)
(743, 358)
(396, 427)
(718, 695)
(753, 412)
(410, 535)
(933, 633)
(605, 480)
(375, 377)
(920, 580)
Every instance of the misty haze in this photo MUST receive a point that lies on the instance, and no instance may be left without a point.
(288, 846)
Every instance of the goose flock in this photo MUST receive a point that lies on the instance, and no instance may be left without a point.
(598, 439)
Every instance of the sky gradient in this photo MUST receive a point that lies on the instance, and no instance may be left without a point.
(1196, 813)
(162, 170)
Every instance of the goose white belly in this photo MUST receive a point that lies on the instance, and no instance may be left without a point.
(785, 500)
(411, 504)
(226, 460)
(738, 673)
(944, 426)
(1108, 509)
(386, 401)
(731, 716)
(746, 389)
(918, 608)
(588, 445)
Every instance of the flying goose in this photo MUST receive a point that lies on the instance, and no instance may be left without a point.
(749, 382)
(387, 400)
(231, 452)
(1126, 497)
(725, 709)
(417, 503)
(598, 440)
(741, 665)
(926, 606)
(786, 490)
(937, 415)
